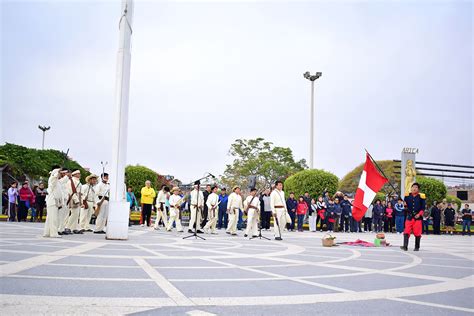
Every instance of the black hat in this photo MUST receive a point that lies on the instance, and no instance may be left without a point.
(253, 189)
(197, 182)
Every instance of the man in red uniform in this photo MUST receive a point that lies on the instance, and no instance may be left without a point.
(415, 203)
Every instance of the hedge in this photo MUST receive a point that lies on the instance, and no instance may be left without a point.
(314, 181)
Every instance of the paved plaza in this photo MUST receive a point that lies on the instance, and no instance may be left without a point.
(159, 273)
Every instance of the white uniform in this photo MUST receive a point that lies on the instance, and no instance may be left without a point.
(174, 214)
(252, 204)
(161, 213)
(197, 203)
(278, 206)
(55, 200)
(234, 203)
(212, 206)
(64, 212)
(102, 189)
(74, 206)
(88, 194)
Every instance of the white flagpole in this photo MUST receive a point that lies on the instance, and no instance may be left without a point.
(118, 218)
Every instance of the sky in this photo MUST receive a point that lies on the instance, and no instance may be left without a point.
(203, 74)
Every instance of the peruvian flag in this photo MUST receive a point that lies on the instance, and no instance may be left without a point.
(371, 181)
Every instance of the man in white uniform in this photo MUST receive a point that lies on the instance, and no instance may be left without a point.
(234, 204)
(160, 206)
(103, 193)
(197, 204)
(279, 211)
(88, 198)
(212, 207)
(55, 201)
(73, 187)
(252, 208)
(175, 203)
(64, 211)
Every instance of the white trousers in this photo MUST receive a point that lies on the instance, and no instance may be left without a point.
(195, 218)
(280, 226)
(102, 217)
(161, 215)
(73, 219)
(62, 218)
(85, 217)
(252, 219)
(51, 224)
(211, 221)
(312, 222)
(233, 220)
(174, 217)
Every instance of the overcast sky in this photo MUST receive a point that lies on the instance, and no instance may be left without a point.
(395, 74)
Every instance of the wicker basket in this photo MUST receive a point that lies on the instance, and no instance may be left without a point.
(328, 240)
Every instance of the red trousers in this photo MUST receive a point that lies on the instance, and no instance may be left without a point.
(413, 225)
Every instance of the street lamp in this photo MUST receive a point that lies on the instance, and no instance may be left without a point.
(311, 78)
(44, 129)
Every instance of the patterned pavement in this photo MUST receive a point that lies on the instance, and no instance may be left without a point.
(159, 273)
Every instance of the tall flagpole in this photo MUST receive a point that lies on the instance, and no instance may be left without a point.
(118, 218)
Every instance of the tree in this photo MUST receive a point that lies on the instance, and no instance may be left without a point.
(313, 181)
(35, 164)
(434, 189)
(350, 181)
(135, 177)
(257, 157)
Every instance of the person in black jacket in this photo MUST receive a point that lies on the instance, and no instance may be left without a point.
(291, 204)
(435, 215)
(449, 214)
(346, 214)
(205, 209)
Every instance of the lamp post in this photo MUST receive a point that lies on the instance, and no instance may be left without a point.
(311, 78)
(44, 129)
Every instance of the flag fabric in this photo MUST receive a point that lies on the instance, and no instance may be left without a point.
(371, 181)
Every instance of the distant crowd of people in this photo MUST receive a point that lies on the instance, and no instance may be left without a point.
(18, 202)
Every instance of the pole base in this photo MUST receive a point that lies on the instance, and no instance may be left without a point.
(117, 222)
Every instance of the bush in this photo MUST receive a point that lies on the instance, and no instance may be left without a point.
(135, 177)
(435, 190)
(455, 200)
(314, 181)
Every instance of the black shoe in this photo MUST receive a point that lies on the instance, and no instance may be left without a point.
(278, 238)
(227, 233)
(234, 234)
(67, 231)
(89, 230)
(76, 231)
(200, 232)
(190, 231)
(405, 242)
(245, 235)
(254, 236)
(417, 243)
(99, 232)
(82, 231)
(60, 233)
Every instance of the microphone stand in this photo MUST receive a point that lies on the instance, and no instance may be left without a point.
(194, 234)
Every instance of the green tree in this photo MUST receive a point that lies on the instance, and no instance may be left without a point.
(135, 177)
(434, 189)
(35, 164)
(313, 181)
(350, 181)
(262, 159)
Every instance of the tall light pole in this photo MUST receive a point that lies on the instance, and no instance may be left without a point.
(117, 220)
(44, 129)
(311, 78)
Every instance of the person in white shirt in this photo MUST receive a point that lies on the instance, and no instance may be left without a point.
(175, 203)
(197, 204)
(55, 201)
(234, 204)
(252, 208)
(64, 212)
(74, 205)
(163, 195)
(279, 211)
(103, 193)
(212, 207)
(89, 200)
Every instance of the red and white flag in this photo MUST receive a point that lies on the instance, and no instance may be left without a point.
(371, 181)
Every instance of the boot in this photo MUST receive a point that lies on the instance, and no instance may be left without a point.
(405, 242)
(417, 243)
